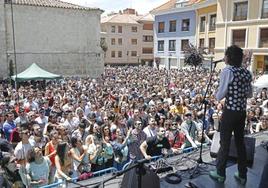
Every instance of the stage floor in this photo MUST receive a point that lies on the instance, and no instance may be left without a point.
(203, 180)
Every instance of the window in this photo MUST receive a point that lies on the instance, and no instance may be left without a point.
(211, 45)
(134, 29)
(148, 26)
(160, 45)
(120, 41)
(113, 41)
(161, 27)
(148, 38)
(113, 29)
(240, 11)
(239, 37)
(201, 43)
(264, 38)
(172, 45)
(172, 26)
(212, 22)
(264, 13)
(184, 44)
(119, 53)
(202, 24)
(185, 25)
(133, 53)
(112, 53)
(134, 41)
(119, 29)
(147, 50)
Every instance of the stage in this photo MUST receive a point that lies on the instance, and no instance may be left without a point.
(183, 164)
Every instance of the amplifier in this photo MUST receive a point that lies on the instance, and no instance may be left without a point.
(249, 143)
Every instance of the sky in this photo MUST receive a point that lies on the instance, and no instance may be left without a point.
(141, 6)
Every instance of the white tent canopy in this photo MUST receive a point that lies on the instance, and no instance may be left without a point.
(261, 82)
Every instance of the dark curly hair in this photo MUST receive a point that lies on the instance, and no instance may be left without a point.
(234, 55)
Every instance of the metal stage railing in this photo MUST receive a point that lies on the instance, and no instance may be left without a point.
(112, 169)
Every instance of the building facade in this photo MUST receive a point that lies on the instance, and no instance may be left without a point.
(174, 29)
(206, 26)
(57, 36)
(244, 23)
(129, 38)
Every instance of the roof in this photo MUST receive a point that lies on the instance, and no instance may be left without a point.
(50, 3)
(121, 18)
(147, 17)
(168, 5)
(34, 72)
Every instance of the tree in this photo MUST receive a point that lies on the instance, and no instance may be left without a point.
(193, 56)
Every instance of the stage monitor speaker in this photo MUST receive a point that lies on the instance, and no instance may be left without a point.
(150, 179)
(249, 143)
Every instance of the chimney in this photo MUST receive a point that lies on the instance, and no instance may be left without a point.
(129, 11)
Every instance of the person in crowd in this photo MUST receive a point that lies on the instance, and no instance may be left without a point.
(37, 139)
(50, 152)
(262, 125)
(42, 120)
(22, 117)
(37, 168)
(63, 163)
(120, 148)
(9, 125)
(190, 130)
(150, 129)
(137, 137)
(80, 157)
(30, 104)
(175, 135)
(82, 131)
(156, 145)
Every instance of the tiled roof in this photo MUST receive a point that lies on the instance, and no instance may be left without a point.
(147, 17)
(168, 5)
(50, 3)
(121, 18)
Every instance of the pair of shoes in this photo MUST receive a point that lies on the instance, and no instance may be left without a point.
(242, 181)
(214, 175)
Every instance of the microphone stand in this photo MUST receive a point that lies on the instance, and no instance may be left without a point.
(205, 102)
(139, 165)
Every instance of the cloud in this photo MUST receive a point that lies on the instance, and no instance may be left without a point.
(141, 6)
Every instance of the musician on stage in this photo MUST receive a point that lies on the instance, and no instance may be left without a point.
(235, 87)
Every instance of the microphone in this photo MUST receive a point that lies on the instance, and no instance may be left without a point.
(218, 61)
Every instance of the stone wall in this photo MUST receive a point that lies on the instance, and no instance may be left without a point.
(62, 41)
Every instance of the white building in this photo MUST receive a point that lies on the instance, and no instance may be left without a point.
(60, 37)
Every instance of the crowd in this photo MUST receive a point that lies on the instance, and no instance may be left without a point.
(76, 126)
